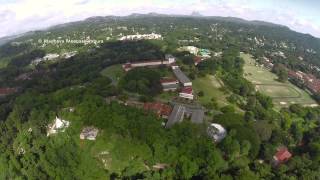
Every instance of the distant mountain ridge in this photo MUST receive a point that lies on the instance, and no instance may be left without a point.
(153, 14)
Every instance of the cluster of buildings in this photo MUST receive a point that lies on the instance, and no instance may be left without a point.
(175, 114)
(267, 63)
(53, 56)
(60, 125)
(141, 37)
(308, 80)
(186, 89)
(168, 84)
(47, 57)
(204, 53)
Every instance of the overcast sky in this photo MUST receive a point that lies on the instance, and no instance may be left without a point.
(18, 16)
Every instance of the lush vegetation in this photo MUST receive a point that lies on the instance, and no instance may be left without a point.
(130, 141)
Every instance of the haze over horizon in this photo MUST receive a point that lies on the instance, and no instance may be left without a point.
(18, 16)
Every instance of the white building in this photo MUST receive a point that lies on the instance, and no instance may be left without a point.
(169, 59)
(49, 57)
(68, 55)
(59, 125)
(89, 133)
(216, 132)
(191, 49)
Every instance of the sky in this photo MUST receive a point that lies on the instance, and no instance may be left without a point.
(18, 16)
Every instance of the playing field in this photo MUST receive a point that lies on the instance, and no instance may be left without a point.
(283, 94)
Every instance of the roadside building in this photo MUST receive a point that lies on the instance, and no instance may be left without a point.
(216, 132)
(170, 59)
(89, 133)
(186, 92)
(183, 79)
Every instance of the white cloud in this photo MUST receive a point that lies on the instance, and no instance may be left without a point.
(23, 15)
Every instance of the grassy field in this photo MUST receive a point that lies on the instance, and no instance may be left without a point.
(283, 94)
(211, 89)
(114, 72)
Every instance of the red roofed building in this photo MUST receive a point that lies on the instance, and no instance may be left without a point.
(282, 155)
(7, 91)
(314, 85)
(186, 92)
(162, 110)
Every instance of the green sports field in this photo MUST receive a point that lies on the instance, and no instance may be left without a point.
(283, 94)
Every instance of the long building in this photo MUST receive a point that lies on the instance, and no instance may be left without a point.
(169, 59)
(183, 79)
(176, 115)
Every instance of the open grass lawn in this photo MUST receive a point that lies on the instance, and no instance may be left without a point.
(211, 89)
(283, 94)
(114, 72)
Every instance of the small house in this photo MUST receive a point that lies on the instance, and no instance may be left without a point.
(89, 133)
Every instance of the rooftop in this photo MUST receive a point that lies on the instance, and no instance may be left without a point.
(187, 90)
(197, 116)
(217, 132)
(176, 116)
(282, 155)
(168, 80)
(170, 86)
(89, 133)
(181, 76)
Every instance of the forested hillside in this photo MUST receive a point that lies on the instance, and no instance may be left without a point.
(133, 143)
